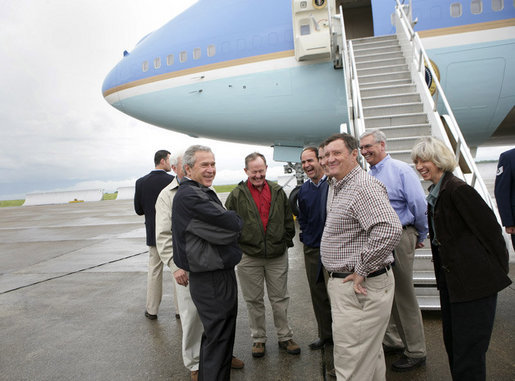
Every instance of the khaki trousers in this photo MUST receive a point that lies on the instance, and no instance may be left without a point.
(154, 281)
(359, 324)
(406, 328)
(253, 273)
(192, 328)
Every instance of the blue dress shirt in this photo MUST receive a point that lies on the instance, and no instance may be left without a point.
(405, 193)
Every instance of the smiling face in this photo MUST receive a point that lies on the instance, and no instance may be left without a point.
(372, 151)
(256, 172)
(428, 170)
(339, 160)
(311, 165)
(204, 169)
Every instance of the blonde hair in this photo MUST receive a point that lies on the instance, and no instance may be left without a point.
(434, 150)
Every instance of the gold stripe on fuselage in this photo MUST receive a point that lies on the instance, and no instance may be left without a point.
(198, 69)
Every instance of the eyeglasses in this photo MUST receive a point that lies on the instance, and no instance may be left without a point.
(366, 146)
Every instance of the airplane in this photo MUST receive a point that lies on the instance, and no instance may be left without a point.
(235, 70)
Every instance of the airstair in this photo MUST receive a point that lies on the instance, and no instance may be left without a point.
(385, 83)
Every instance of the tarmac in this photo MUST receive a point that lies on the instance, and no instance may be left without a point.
(72, 302)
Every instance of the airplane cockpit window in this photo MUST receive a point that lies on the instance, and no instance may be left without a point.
(144, 66)
(497, 5)
(183, 56)
(456, 10)
(157, 63)
(196, 53)
(211, 50)
(476, 7)
(169, 59)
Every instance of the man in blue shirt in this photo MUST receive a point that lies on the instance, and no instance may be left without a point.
(408, 200)
(312, 211)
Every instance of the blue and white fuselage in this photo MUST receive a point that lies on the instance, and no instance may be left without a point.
(226, 70)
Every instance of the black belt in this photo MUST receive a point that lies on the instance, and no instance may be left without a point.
(371, 275)
(404, 227)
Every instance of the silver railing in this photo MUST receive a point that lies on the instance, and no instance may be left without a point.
(418, 58)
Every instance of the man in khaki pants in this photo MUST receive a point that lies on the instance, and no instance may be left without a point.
(405, 333)
(268, 231)
(360, 233)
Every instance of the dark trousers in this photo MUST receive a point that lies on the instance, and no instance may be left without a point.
(318, 289)
(215, 294)
(467, 327)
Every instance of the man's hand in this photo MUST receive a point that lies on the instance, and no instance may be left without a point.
(181, 277)
(357, 279)
(419, 245)
(510, 229)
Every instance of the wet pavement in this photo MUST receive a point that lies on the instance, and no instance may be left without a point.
(72, 298)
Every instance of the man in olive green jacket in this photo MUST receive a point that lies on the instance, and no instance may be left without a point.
(268, 231)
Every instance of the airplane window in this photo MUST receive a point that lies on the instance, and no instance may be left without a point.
(476, 7)
(211, 50)
(497, 5)
(183, 56)
(169, 59)
(456, 10)
(157, 63)
(144, 66)
(196, 53)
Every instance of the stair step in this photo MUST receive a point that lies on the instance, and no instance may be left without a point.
(429, 301)
(367, 50)
(384, 70)
(395, 109)
(404, 155)
(373, 78)
(377, 57)
(414, 130)
(377, 63)
(382, 84)
(403, 143)
(395, 120)
(390, 99)
(423, 262)
(365, 40)
(424, 277)
(374, 42)
(373, 91)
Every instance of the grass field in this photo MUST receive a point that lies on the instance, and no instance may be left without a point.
(225, 188)
(11, 203)
(109, 196)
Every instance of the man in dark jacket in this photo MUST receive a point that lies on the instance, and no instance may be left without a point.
(268, 231)
(146, 191)
(312, 211)
(505, 191)
(205, 243)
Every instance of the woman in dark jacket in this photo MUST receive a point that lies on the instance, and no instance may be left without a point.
(470, 259)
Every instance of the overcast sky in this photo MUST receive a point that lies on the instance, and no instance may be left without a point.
(56, 130)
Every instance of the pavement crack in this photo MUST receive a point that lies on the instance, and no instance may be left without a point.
(73, 272)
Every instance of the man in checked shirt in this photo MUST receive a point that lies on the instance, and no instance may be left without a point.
(360, 234)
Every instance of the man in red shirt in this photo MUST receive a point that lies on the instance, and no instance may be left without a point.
(268, 231)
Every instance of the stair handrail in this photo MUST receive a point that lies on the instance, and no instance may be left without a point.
(462, 150)
(344, 52)
(359, 121)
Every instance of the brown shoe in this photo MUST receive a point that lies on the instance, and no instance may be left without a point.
(236, 363)
(194, 375)
(290, 346)
(258, 349)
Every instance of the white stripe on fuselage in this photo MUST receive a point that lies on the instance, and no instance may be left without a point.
(466, 38)
(208, 75)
